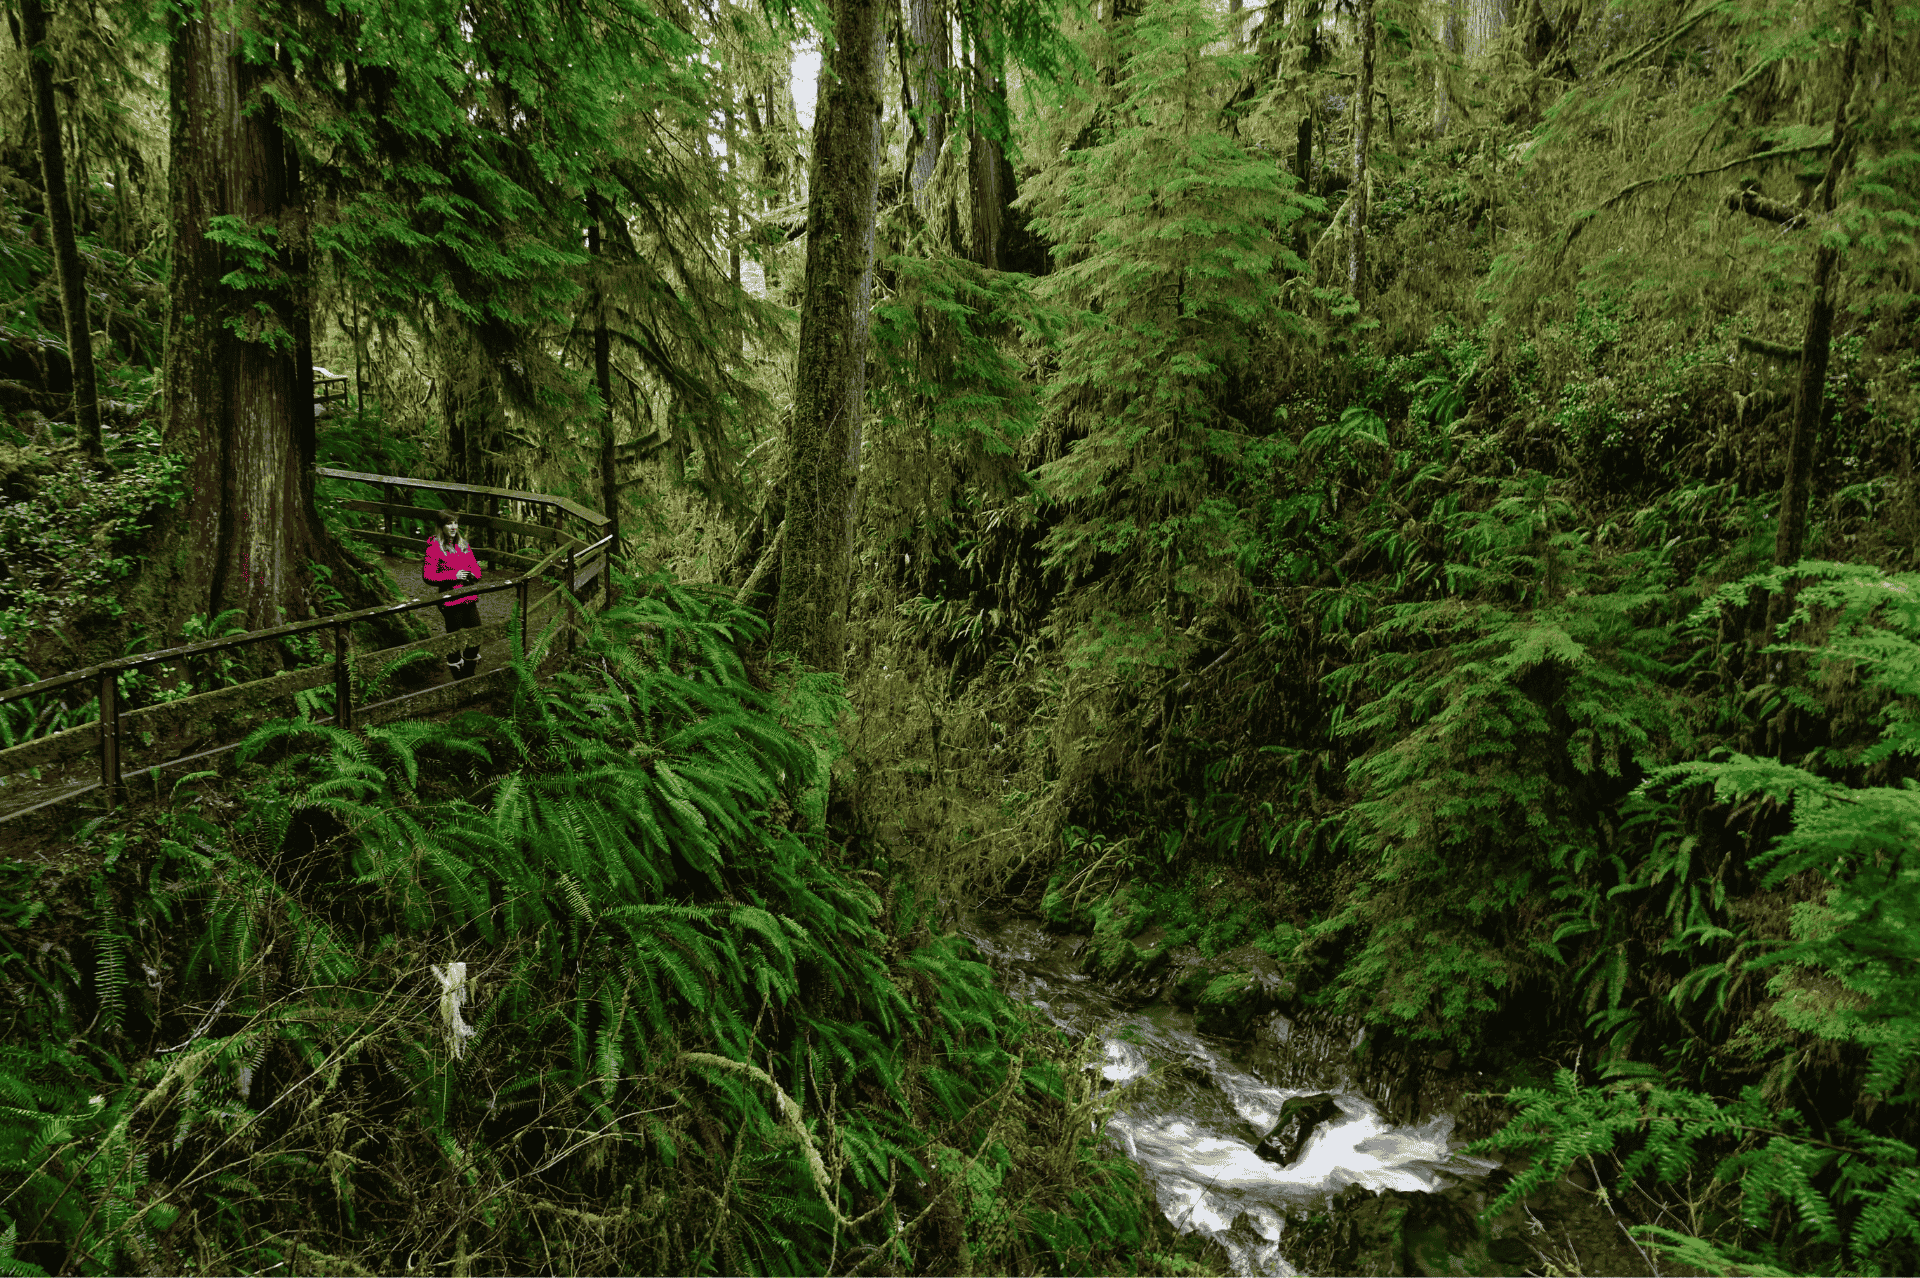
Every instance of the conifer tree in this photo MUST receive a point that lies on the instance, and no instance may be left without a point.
(68, 268)
(430, 160)
(927, 89)
(823, 450)
(237, 404)
(1170, 247)
(1450, 44)
(1362, 130)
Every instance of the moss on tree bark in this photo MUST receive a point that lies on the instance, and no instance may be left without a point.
(830, 378)
(238, 403)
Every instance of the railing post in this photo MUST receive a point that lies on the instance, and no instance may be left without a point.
(110, 735)
(387, 498)
(521, 590)
(606, 565)
(573, 619)
(342, 679)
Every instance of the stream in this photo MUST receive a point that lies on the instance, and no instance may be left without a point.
(1191, 1109)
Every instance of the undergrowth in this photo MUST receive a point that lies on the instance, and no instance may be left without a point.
(582, 985)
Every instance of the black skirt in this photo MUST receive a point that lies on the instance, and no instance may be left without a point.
(463, 616)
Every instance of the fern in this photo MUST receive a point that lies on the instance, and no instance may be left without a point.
(624, 890)
(1855, 1197)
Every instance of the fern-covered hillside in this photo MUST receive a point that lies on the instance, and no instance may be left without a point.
(578, 986)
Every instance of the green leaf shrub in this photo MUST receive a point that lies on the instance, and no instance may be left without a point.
(586, 974)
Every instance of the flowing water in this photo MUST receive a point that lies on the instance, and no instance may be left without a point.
(1190, 1109)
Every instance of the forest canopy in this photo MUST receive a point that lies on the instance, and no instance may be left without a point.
(1419, 491)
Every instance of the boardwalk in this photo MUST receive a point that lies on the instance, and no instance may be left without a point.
(23, 790)
(405, 573)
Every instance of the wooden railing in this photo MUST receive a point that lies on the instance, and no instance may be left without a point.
(583, 560)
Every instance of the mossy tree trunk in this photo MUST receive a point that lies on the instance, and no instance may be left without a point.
(1450, 48)
(927, 36)
(990, 185)
(1362, 128)
(603, 386)
(830, 377)
(238, 403)
(472, 411)
(1810, 389)
(68, 269)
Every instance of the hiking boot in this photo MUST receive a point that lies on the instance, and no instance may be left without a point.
(456, 669)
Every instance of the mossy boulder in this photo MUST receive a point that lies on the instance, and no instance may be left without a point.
(21, 470)
(1228, 1004)
(1133, 966)
(1226, 993)
(1397, 1232)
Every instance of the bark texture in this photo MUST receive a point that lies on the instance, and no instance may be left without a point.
(989, 174)
(237, 402)
(472, 409)
(603, 384)
(830, 377)
(927, 34)
(69, 271)
(1362, 128)
(1450, 44)
(1810, 389)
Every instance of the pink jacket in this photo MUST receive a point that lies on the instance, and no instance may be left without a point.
(443, 565)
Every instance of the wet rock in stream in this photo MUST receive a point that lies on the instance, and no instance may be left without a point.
(1300, 1118)
(1242, 1111)
(1297, 1141)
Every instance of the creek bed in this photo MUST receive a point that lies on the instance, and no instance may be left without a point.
(1191, 1109)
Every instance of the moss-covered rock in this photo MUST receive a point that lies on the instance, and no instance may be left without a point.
(21, 470)
(1228, 1005)
(1396, 1232)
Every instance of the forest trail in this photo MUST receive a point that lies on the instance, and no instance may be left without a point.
(152, 758)
(404, 572)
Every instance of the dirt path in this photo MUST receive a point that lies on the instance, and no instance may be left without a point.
(498, 606)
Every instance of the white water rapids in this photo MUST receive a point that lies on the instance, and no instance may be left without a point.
(1191, 1108)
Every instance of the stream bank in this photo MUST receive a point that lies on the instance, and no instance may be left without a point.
(1361, 1174)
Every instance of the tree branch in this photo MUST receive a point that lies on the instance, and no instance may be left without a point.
(1753, 204)
(765, 565)
(1581, 219)
(1772, 350)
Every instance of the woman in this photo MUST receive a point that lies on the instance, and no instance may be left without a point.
(449, 563)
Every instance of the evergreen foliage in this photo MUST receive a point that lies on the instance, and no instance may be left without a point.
(1434, 654)
(623, 968)
(1170, 239)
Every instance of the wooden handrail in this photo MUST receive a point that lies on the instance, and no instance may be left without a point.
(277, 632)
(475, 490)
(104, 673)
(253, 636)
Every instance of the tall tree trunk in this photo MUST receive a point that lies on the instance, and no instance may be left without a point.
(1450, 43)
(67, 267)
(927, 32)
(1810, 390)
(1362, 127)
(990, 182)
(733, 212)
(603, 383)
(823, 451)
(237, 403)
(471, 412)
